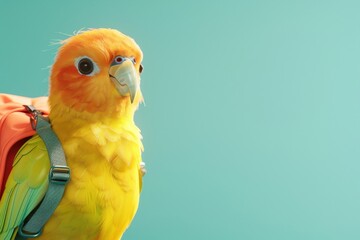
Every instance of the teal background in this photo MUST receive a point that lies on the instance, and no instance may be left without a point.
(251, 124)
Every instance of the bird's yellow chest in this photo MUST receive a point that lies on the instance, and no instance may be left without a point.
(103, 194)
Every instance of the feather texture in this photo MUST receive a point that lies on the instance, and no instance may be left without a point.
(25, 187)
(102, 197)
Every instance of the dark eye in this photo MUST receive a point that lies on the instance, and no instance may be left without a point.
(85, 66)
(119, 59)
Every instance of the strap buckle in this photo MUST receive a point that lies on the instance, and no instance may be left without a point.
(21, 232)
(34, 115)
(59, 174)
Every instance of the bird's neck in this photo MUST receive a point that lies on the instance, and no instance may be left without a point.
(90, 112)
(91, 132)
(65, 118)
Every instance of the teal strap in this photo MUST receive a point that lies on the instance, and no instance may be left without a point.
(58, 178)
(18, 237)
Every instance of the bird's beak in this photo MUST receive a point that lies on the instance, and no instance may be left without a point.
(125, 79)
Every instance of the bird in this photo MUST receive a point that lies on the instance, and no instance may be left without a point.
(94, 93)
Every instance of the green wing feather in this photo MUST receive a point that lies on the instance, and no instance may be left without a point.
(25, 187)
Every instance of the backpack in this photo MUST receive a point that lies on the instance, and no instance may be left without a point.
(15, 129)
(20, 119)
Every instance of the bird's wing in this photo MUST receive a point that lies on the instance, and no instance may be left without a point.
(142, 172)
(25, 187)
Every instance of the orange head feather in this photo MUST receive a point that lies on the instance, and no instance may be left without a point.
(93, 89)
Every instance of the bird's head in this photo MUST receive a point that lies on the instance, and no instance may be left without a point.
(96, 71)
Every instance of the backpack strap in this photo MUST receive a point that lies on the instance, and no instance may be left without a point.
(59, 176)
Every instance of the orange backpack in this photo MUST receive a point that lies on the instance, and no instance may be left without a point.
(15, 128)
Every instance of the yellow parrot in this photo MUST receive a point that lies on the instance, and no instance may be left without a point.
(94, 93)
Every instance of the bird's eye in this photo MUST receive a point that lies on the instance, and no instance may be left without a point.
(119, 59)
(85, 66)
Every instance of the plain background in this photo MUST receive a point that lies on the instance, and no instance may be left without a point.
(251, 124)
